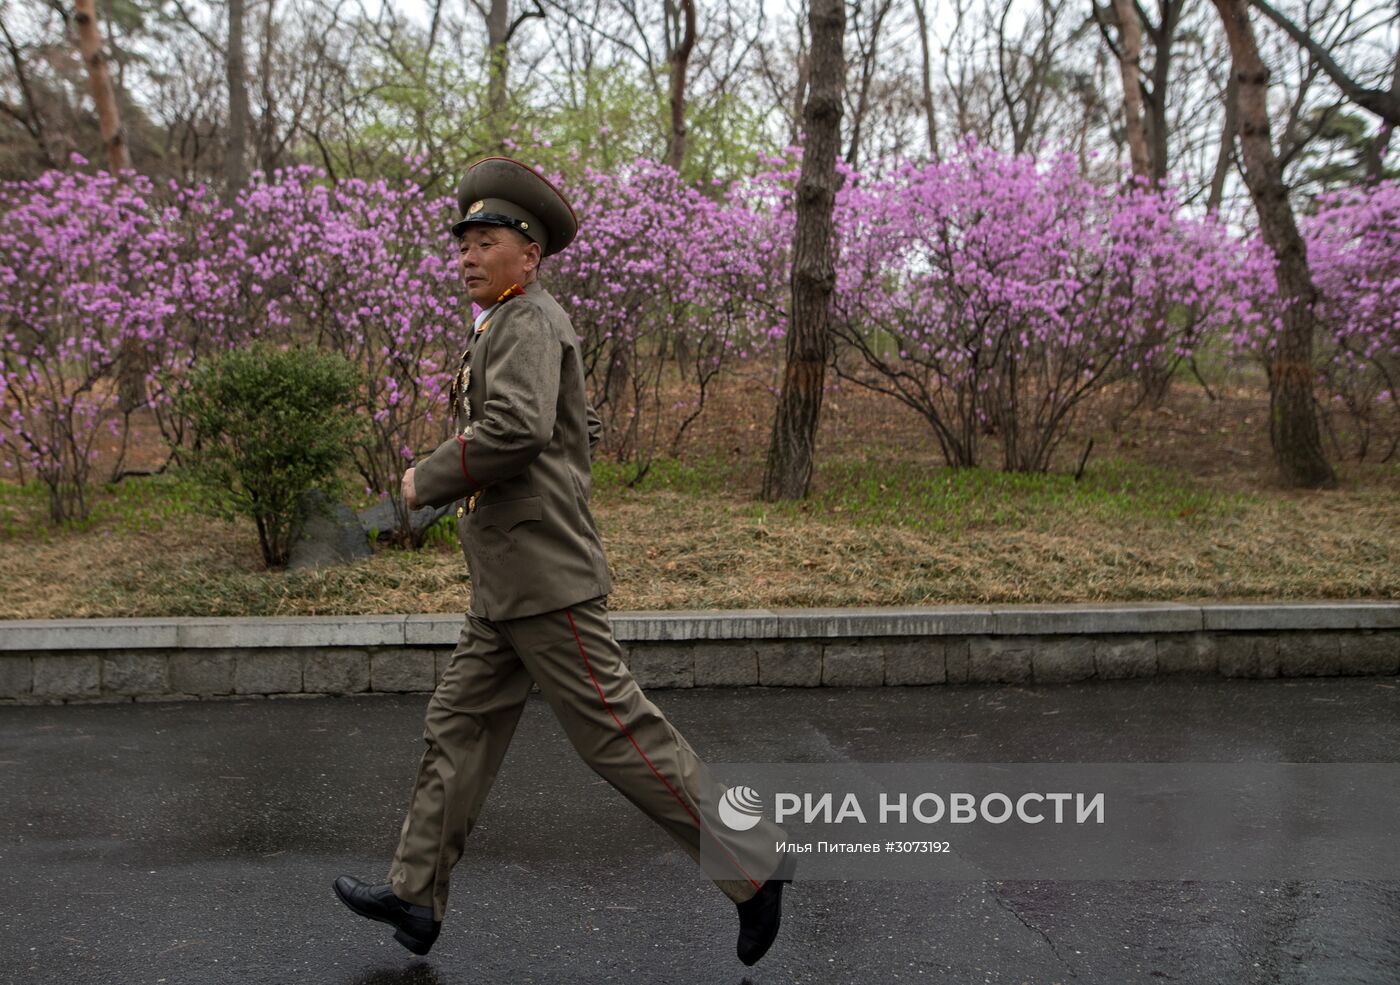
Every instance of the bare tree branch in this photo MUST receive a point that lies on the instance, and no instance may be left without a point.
(1383, 103)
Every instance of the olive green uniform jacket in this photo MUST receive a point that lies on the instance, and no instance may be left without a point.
(531, 543)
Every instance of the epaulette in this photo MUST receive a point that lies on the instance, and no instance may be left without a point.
(514, 291)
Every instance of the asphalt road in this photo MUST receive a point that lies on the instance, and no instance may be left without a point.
(196, 842)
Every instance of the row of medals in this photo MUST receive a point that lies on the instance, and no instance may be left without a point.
(464, 379)
(462, 404)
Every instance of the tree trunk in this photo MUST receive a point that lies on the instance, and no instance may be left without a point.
(267, 128)
(1163, 38)
(236, 144)
(108, 118)
(799, 94)
(1225, 157)
(930, 119)
(789, 470)
(1130, 67)
(1374, 150)
(130, 364)
(1293, 429)
(679, 61)
(497, 70)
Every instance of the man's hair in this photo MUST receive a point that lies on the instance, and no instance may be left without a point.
(525, 241)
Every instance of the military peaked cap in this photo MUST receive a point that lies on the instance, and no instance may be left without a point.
(501, 192)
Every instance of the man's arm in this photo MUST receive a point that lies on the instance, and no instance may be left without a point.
(517, 421)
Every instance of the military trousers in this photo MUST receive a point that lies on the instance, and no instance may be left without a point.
(572, 654)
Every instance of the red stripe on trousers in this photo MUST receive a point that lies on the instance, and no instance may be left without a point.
(589, 667)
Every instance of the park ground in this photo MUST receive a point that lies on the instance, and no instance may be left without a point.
(1178, 503)
(196, 842)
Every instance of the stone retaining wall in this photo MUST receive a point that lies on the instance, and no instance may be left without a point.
(150, 660)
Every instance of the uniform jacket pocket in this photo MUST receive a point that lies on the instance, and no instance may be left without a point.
(508, 514)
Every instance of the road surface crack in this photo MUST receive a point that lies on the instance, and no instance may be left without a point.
(1005, 905)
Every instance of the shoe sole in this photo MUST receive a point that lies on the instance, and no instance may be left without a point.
(414, 944)
(777, 927)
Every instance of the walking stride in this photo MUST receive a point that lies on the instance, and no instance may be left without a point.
(518, 465)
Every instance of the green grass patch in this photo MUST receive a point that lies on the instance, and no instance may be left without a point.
(941, 500)
(696, 477)
(140, 503)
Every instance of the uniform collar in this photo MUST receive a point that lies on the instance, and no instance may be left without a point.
(485, 313)
(531, 288)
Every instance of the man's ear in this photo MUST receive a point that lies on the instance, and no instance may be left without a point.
(532, 255)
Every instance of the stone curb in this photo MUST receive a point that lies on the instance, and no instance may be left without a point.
(81, 660)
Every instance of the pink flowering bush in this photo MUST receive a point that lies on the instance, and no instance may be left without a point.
(85, 266)
(215, 303)
(993, 295)
(1354, 253)
(91, 267)
(989, 293)
(664, 278)
(365, 269)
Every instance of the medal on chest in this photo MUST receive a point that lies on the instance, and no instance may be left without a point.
(463, 405)
(461, 384)
(460, 399)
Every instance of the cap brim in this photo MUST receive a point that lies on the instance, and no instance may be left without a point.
(502, 177)
(460, 226)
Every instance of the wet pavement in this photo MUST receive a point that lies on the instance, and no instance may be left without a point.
(196, 842)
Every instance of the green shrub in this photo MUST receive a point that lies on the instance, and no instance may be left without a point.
(272, 424)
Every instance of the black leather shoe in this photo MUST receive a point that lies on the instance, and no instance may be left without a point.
(416, 928)
(760, 915)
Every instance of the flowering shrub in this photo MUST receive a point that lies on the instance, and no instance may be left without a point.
(1354, 253)
(663, 273)
(987, 292)
(991, 294)
(85, 264)
(89, 264)
(213, 305)
(364, 269)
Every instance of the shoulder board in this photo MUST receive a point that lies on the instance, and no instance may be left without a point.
(514, 291)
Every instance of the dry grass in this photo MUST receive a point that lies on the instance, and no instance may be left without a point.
(1179, 504)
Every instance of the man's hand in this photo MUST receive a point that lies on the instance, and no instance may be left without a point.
(410, 494)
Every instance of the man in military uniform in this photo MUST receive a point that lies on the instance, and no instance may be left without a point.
(519, 463)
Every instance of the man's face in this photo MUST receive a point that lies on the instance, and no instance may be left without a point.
(492, 258)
